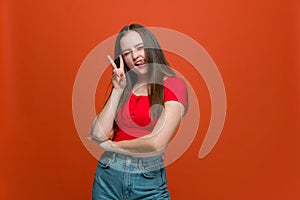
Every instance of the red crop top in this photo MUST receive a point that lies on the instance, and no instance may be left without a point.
(133, 119)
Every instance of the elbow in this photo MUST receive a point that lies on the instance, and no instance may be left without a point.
(100, 130)
(96, 135)
(101, 134)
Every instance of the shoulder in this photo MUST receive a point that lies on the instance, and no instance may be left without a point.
(175, 90)
(173, 80)
(174, 83)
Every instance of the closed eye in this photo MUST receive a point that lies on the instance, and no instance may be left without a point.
(140, 48)
(126, 53)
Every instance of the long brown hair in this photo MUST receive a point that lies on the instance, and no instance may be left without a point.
(157, 65)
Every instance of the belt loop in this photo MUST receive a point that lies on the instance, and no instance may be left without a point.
(113, 157)
(140, 164)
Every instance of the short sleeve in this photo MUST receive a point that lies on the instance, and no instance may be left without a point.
(175, 90)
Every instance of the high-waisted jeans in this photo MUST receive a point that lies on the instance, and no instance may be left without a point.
(121, 177)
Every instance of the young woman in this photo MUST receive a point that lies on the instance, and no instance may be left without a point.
(138, 120)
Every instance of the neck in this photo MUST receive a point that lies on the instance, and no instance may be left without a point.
(142, 79)
(141, 86)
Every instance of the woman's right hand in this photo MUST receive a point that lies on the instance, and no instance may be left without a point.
(118, 78)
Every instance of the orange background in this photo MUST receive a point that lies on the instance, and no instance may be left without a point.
(255, 45)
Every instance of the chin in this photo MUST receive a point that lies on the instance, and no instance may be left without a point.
(140, 70)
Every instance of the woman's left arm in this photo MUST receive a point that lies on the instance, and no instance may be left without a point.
(158, 139)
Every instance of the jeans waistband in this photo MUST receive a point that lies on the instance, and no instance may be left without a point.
(133, 164)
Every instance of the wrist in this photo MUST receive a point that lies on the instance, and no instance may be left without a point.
(117, 92)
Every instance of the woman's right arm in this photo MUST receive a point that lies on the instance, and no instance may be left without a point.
(102, 127)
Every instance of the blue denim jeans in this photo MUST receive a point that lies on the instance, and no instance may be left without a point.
(121, 177)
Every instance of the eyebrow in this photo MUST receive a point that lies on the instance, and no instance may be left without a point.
(134, 47)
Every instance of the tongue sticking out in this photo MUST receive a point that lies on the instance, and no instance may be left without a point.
(140, 63)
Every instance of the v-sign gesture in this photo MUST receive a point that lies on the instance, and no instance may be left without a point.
(118, 77)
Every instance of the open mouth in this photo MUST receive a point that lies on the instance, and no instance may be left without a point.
(140, 63)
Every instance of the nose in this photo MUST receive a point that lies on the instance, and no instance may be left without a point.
(134, 54)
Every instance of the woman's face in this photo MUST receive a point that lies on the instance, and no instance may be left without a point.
(133, 52)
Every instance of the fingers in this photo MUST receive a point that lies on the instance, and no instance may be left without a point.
(120, 71)
(118, 76)
(112, 62)
(121, 63)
